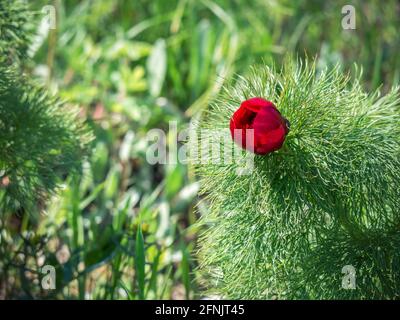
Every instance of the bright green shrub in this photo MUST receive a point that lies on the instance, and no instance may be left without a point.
(41, 139)
(328, 199)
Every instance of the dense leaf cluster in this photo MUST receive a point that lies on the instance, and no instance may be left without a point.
(41, 139)
(326, 200)
(15, 28)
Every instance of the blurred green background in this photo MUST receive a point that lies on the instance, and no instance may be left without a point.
(126, 229)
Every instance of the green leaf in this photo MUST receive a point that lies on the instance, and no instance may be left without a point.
(185, 269)
(157, 67)
(140, 262)
(174, 181)
(154, 274)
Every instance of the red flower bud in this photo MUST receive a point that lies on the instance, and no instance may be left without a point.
(270, 128)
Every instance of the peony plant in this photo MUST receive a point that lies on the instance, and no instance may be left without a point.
(318, 217)
(41, 139)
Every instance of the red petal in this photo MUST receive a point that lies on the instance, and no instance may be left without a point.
(269, 126)
(255, 104)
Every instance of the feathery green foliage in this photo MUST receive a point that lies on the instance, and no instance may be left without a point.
(14, 25)
(40, 138)
(90, 228)
(327, 199)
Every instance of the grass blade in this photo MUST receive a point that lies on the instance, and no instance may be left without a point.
(140, 262)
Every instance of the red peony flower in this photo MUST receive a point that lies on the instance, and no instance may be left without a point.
(270, 128)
